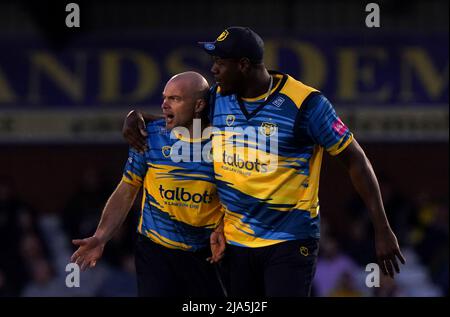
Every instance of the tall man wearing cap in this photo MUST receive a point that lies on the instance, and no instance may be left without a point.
(271, 222)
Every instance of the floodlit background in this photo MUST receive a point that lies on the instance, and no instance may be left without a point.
(65, 92)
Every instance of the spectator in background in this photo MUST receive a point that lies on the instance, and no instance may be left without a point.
(332, 268)
(4, 287)
(17, 222)
(358, 241)
(345, 287)
(83, 211)
(81, 215)
(388, 288)
(42, 280)
(431, 240)
(401, 211)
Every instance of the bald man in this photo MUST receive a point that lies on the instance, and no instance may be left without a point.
(180, 209)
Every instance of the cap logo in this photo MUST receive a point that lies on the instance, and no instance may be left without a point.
(209, 46)
(222, 36)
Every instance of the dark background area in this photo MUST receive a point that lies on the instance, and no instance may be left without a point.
(55, 180)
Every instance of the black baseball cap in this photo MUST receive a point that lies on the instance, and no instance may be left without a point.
(236, 42)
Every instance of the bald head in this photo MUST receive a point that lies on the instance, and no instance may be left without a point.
(185, 98)
(192, 83)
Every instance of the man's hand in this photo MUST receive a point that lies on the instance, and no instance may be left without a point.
(218, 243)
(89, 251)
(388, 251)
(134, 130)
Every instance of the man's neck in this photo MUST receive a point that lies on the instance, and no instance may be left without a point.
(257, 84)
(204, 124)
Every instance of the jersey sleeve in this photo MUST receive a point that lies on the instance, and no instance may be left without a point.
(135, 168)
(325, 127)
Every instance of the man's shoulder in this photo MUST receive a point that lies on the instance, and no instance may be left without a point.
(155, 126)
(157, 132)
(297, 91)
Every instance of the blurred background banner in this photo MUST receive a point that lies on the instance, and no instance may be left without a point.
(387, 87)
(64, 94)
(98, 72)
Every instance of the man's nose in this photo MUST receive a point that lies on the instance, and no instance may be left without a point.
(214, 69)
(164, 104)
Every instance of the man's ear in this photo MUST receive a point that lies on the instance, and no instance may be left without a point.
(200, 104)
(244, 64)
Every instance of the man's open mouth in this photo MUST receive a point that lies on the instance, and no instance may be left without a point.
(169, 117)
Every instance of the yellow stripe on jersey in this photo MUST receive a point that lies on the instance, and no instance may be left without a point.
(338, 147)
(157, 238)
(296, 90)
(132, 179)
(236, 230)
(279, 77)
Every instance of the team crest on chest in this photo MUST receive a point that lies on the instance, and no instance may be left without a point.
(230, 120)
(166, 151)
(268, 128)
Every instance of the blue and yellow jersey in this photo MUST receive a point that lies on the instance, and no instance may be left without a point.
(273, 196)
(180, 205)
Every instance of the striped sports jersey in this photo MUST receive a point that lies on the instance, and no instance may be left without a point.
(273, 197)
(180, 205)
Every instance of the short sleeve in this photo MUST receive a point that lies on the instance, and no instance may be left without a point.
(135, 168)
(325, 128)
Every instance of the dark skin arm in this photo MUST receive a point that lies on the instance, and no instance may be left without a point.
(366, 184)
(133, 129)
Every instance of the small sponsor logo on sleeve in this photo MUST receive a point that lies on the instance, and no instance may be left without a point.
(339, 127)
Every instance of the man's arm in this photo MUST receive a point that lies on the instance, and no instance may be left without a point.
(115, 211)
(134, 131)
(366, 184)
(217, 243)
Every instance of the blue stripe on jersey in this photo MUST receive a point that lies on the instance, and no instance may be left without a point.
(321, 116)
(267, 221)
(170, 214)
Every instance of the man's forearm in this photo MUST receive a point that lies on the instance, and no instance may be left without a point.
(365, 183)
(115, 211)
